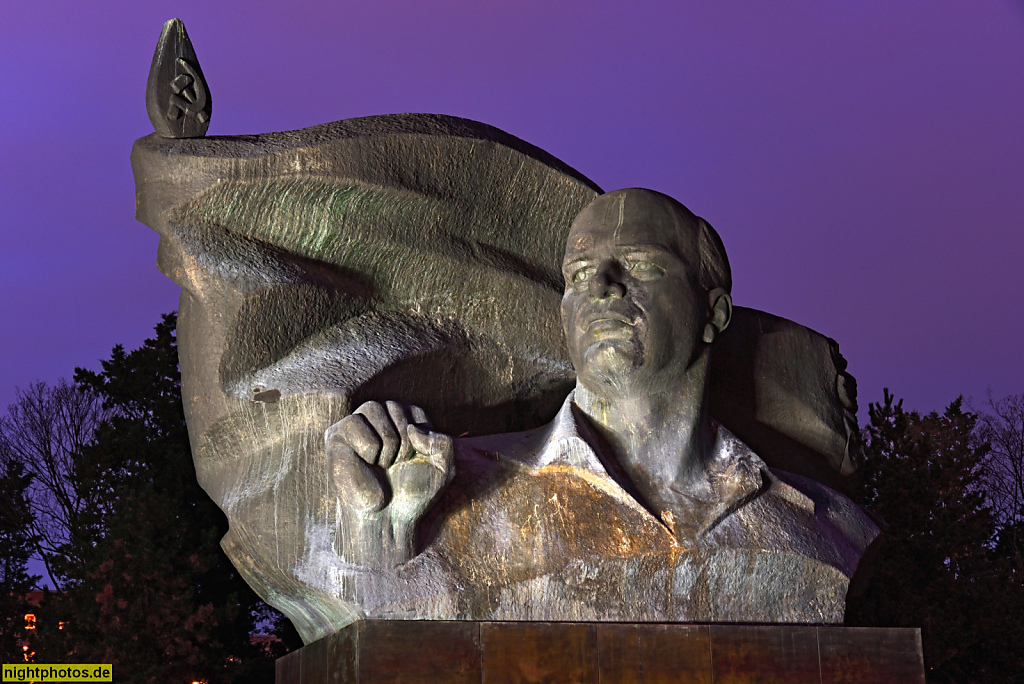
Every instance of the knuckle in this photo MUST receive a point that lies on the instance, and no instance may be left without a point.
(340, 431)
(374, 414)
(398, 413)
(378, 418)
(368, 406)
(347, 423)
(332, 432)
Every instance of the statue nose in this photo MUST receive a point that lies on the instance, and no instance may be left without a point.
(606, 283)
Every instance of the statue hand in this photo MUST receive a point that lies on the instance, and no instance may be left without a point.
(387, 468)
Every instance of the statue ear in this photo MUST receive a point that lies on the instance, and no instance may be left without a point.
(720, 314)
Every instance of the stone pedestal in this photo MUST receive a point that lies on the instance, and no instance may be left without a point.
(454, 652)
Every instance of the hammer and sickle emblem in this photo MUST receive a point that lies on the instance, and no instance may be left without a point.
(188, 94)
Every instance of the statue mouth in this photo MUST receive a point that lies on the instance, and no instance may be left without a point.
(607, 324)
(608, 319)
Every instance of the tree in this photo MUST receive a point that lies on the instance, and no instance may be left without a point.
(43, 431)
(936, 569)
(16, 546)
(1003, 429)
(154, 594)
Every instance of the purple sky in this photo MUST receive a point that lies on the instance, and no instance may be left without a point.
(863, 161)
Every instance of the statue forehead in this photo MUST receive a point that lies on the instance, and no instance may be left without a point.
(634, 216)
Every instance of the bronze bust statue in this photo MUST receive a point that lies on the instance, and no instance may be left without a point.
(612, 439)
(633, 504)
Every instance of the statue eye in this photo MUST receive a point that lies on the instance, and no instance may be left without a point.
(583, 274)
(645, 269)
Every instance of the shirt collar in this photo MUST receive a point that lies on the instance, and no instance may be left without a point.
(735, 472)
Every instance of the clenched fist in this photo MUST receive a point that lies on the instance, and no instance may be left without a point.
(387, 467)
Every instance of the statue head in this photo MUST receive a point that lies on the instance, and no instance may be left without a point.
(646, 291)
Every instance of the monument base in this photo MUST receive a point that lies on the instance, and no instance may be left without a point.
(455, 652)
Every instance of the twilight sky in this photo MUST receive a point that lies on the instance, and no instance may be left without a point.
(863, 161)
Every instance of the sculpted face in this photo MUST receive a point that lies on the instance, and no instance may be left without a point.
(633, 311)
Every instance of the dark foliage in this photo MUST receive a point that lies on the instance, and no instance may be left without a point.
(152, 593)
(43, 431)
(1002, 427)
(16, 546)
(936, 567)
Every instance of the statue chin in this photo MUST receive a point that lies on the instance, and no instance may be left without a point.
(611, 363)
